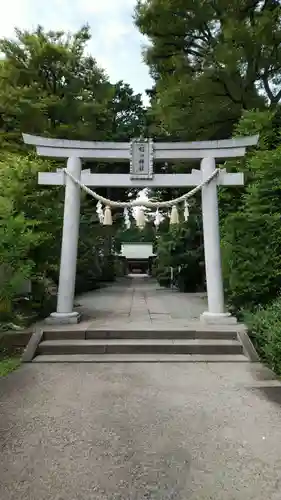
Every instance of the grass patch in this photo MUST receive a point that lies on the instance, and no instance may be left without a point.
(8, 365)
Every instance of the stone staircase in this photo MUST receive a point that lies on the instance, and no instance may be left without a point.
(189, 344)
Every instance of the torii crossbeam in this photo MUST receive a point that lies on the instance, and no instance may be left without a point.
(141, 154)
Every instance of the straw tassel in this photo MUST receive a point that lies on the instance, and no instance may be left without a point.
(158, 218)
(107, 220)
(140, 218)
(174, 218)
(186, 211)
(127, 219)
(99, 211)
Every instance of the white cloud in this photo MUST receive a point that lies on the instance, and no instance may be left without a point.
(14, 14)
(106, 6)
(114, 31)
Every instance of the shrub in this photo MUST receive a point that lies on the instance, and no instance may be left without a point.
(43, 297)
(251, 237)
(251, 259)
(265, 330)
(17, 239)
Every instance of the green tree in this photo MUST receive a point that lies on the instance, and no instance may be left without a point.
(181, 247)
(128, 116)
(48, 86)
(238, 40)
(19, 183)
(210, 59)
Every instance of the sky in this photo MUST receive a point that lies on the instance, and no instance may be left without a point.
(116, 44)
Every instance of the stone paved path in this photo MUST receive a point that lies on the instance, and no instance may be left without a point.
(140, 302)
(140, 431)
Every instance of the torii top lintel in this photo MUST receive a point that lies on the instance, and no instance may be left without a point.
(122, 151)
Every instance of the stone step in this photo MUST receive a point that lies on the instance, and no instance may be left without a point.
(140, 358)
(140, 346)
(152, 333)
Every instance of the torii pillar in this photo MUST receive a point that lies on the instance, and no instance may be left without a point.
(141, 154)
(69, 247)
(211, 233)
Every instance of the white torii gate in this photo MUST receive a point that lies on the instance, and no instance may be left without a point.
(141, 154)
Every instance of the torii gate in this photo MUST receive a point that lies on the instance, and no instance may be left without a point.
(141, 154)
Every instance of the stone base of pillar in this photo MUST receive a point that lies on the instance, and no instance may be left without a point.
(218, 318)
(63, 318)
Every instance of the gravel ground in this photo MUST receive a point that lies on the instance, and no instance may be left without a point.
(140, 431)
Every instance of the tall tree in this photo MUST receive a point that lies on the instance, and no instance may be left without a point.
(48, 85)
(210, 59)
(127, 113)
